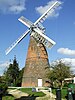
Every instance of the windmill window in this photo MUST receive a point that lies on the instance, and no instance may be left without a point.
(32, 48)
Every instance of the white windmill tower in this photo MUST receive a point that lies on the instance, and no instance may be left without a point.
(36, 31)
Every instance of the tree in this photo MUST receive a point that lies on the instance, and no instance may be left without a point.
(8, 76)
(19, 80)
(59, 72)
(15, 71)
(12, 73)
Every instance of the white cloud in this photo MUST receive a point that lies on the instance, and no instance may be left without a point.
(4, 66)
(67, 61)
(42, 9)
(66, 51)
(70, 62)
(12, 6)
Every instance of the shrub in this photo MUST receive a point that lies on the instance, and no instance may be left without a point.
(3, 88)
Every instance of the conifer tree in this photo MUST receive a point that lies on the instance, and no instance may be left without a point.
(12, 73)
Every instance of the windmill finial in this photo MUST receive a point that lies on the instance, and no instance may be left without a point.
(14, 56)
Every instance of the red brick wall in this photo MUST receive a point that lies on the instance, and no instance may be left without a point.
(37, 64)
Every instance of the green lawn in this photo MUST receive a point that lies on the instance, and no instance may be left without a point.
(8, 98)
(29, 91)
(63, 92)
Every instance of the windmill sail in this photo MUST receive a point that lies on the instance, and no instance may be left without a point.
(36, 31)
(17, 41)
(49, 11)
(42, 18)
(42, 38)
(25, 21)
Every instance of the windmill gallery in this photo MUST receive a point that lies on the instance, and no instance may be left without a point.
(37, 64)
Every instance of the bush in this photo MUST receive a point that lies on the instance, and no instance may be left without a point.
(65, 85)
(3, 88)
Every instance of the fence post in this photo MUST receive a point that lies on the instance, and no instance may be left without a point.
(70, 95)
(58, 94)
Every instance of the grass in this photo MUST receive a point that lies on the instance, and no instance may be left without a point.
(8, 98)
(26, 90)
(63, 92)
(29, 91)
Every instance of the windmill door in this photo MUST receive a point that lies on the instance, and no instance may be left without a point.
(39, 82)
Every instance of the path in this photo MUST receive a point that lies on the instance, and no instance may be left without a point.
(49, 96)
(17, 93)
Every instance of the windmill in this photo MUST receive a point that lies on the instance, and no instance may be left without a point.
(37, 35)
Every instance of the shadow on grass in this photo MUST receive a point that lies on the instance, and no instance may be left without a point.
(27, 98)
(8, 95)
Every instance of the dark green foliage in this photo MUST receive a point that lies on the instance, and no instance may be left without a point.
(65, 84)
(3, 87)
(12, 74)
(19, 80)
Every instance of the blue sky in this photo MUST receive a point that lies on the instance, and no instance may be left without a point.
(60, 27)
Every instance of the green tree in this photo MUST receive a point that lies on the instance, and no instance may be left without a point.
(59, 72)
(8, 76)
(19, 80)
(12, 73)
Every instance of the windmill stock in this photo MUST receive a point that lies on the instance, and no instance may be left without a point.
(35, 30)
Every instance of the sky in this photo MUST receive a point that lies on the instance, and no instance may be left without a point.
(60, 27)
